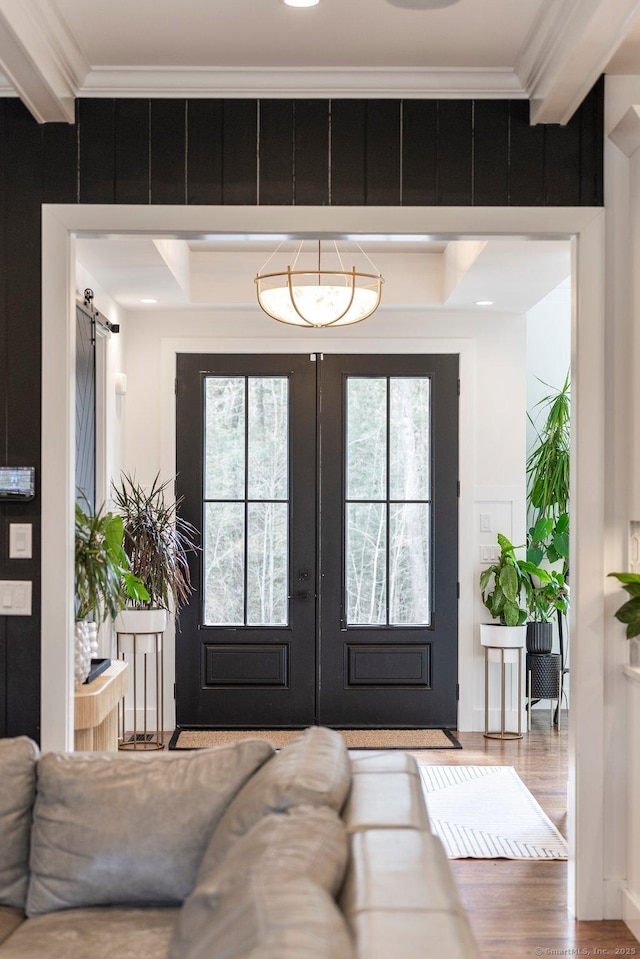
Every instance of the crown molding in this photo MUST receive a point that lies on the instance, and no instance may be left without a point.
(6, 90)
(302, 83)
(566, 52)
(41, 59)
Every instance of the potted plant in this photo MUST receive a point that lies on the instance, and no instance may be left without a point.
(545, 600)
(157, 541)
(103, 580)
(548, 543)
(506, 589)
(548, 482)
(629, 612)
(548, 504)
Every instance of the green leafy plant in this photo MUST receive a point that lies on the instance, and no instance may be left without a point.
(504, 584)
(548, 461)
(548, 598)
(549, 539)
(103, 578)
(157, 541)
(629, 612)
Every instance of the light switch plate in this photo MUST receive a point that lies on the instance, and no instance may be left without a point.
(20, 541)
(489, 554)
(15, 597)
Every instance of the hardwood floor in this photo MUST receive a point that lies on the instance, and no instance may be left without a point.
(519, 909)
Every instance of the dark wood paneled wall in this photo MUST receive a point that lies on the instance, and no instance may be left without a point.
(311, 152)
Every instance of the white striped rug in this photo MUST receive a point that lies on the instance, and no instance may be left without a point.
(487, 812)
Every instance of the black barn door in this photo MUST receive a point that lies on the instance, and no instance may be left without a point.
(85, 408)
(326, 490)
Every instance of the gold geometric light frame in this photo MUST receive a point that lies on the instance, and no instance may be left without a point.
(319, 298)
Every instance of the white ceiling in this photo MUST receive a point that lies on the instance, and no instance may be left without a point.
(548, 51)
(220, 272)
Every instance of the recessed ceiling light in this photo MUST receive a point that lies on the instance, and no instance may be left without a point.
(421, 4)
(148, 299)
(301, 3)
(484, 302)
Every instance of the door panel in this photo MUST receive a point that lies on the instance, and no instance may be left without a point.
(388, 540)
(327, 496)
(246, 444)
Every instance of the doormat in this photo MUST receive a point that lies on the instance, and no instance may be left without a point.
(354, 738)
(487, 812)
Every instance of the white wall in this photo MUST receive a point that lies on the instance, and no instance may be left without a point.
(548, 348)
(622, 201)
(493, 351)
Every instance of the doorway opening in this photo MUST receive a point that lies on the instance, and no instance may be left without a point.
(62, 223)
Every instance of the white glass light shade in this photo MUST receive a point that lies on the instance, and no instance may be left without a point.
(338, 303)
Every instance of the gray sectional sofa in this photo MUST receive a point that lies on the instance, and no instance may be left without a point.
(231, 853)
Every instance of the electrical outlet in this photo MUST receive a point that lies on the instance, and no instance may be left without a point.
(486, 523)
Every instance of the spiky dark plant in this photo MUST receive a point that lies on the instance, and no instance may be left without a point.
(157, 541)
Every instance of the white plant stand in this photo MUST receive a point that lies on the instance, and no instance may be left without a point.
(139, 639)
(503, 645)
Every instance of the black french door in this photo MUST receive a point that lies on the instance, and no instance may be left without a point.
(326, 491)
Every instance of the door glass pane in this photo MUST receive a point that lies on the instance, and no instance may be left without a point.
(366, 438)
(224, 564)
(387, 462)
(409, 579)
(246, 583)
(268, 437)
(409, 420)
(224, 437)
(267, 566)
(366, 550)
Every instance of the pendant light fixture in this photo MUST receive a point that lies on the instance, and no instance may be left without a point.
(318, 297)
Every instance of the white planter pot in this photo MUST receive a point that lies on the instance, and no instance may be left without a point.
(504, 637)
(85, 647)
(140, 630)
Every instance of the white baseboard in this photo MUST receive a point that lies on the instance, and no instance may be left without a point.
(151, 719)
(631, 911)
(511, 720)
(613, 890)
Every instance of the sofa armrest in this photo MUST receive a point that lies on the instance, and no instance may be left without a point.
(385, 800)
(413, 934)
(400, 899)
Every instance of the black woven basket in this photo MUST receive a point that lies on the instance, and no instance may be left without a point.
(545, 675)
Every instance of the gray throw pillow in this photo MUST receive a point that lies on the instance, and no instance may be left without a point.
(313, 770)
(266, 919)
(17, 794)
(111, 829)
(307, 842)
